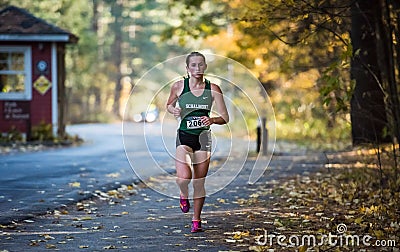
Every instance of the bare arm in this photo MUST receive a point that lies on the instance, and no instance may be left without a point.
(176, 89)
(222, 111)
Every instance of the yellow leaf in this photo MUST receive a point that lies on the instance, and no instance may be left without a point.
(254, 195)
(303, 248)
(112, 192)
(379, 234)
(51, 246)
(358, 220)
(256, 248)
(65, 212)
(83, 218)
(221, 201)
(238, 235)
(278, 223)
(48, 237)
(113, 175)
(75, 184)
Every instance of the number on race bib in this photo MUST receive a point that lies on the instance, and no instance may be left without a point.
(194, 123)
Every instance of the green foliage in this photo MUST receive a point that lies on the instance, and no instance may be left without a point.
(311, 134)
(302, 48)
(335, 88)
(12, 136)
(197, 19)
(91, 64)
(42, 132)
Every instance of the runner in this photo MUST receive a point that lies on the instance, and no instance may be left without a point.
(195, 96)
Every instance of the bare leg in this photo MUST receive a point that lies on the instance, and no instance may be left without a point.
(200, 169)
(183, 171)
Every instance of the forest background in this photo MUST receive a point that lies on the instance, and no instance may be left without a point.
(302, 52)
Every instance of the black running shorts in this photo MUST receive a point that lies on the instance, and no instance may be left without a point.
(196, 142)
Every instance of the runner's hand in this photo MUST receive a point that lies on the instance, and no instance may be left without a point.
(176, 112)
(207, 121)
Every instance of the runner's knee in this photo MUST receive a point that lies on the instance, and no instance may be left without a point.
(199, 190)
(183, 181)
(198, 184)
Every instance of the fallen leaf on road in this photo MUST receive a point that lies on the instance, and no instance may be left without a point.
(47, 237)
(278, 223)
(113, 175)
(110, 247)
(75, 184)
(302, 248)
(257, 248)
(51, 246)
(85, 218)
(34, 243)
(230, 240)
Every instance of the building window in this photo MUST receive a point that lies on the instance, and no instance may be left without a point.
(15, 73)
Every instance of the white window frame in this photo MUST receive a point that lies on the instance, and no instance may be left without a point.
(27, 94)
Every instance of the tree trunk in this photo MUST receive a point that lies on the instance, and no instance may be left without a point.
(61, 95)
(116, 10)
(387, 66)
(95, 27)
(368, 114)
(95, 19)
(390, 15)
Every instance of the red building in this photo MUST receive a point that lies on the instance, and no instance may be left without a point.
(32, 72)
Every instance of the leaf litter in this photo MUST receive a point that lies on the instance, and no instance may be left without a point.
(312, 203)
(316, 204)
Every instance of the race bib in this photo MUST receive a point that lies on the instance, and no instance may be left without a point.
(194, 123)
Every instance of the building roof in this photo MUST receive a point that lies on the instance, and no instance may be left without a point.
(17, 24)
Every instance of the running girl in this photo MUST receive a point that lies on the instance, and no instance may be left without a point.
(195, 96)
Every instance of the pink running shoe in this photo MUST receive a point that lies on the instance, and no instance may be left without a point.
(196, 226)
(184, 204)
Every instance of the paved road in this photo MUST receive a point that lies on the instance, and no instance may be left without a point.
(150, 221)
(146, 221)
(32, 183)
